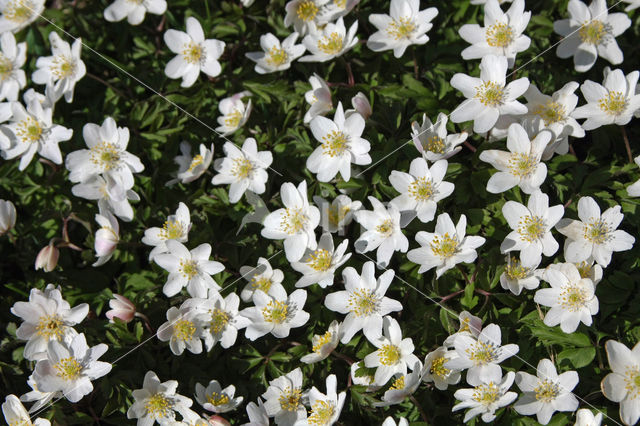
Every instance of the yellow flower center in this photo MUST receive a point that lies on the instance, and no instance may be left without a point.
(307, 10)
(293, 221)
(19, 11)
(183, 330)
(105, 155)
(232, 120)
(422, 189)
(551, 112)
(276, 312)
(438, 369)
(242, 168)
(522, 165)
(515, 270)
(51, 327)
(500, 35)
(573, 298)
(337, 214)
(219, 320)
(158, 405)
(342, 4)
(6, 67)
(260, 283)
(23, 421)
(320, 341)
(277, 56)
(585, 269)
(321, 413)
(63, 66)
(385, 228)
(490, 94)
(335, 143)
(68, 368)
(172, 230)
(546, 391)
(464, 325)
(401, 28)
(320, 260)
(596, 232)
(216, 399)
(193, 53)
(290, 399)
(389, 354)
(189, 268)
(483, 353)
(614, 103)
(444, 246)
(29, 130)
(195, 162)
(331, 44)
(632, 381)
(593, 32)
(398, 383)
(363, 302)
(531, 228)
(486, 394)
(434, 144)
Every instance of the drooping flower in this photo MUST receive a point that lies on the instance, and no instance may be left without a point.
(276, 56)
(283, 398)
(323, 344)
(107, 237)
(17, 14)
(338, 214)
(486, 397)
(364, 302)
(193, 53)
(134, 11)
(331, 41)
(191, 167)
(176, 227)
(432, 139)
(184, 329)
(276, 314)
(12, 58)
(157, 401)
(8, 216)
(436, 372)
(319, 97)
(234, 113)
(42, 399)
(47, 258)
(214, 398)
(623, 383)
(517, 276)
(405, 25)
(361, 105)
(111, 196)
(15, 413)
(319, 266)
(403, 386)
(488, 97)
(121, 308)
(590, 32)
(260, 277)
(325, 408)
(243, 168)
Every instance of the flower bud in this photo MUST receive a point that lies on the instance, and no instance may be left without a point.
(122, 308)
(362, 105)
(47, 258)
(218, 421)
(7, 216)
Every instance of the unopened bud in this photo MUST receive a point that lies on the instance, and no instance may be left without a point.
(47, 259)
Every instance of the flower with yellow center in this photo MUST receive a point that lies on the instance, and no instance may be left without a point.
(176, 227)
(436, 371)
(488, 395)
(275, 314)
(323, 344)
(500, 35)
(432, 139)
(551, 112)
(184, 329)
(214, 398)
(401, 28)
(193, 53)
(623, 383)
(335, 143)
(17, 14)
(593, 32)
(158, 405)
(68, 368)
(307, 10)
(330, 41)
(490, 94)
(29, 130)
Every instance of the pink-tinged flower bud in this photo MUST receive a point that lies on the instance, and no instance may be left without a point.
(47, 259)
(122, 308)
(218, 421)
(7, 216)
(362, 105)
(107, 237)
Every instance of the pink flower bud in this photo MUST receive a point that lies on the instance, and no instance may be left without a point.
(47, 259)
(122, 308)
(218, 421)
(362, 105)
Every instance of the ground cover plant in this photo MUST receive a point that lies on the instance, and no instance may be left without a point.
(319, 212)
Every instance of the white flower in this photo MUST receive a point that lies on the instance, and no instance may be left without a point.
(70, 367)
(432, 141)
(190, 167)
(446, 247)
(261, 277)
(482, 356)
(158, 402)
(486, 397)
(501, 34)
(547, 392)
(394, 353)
(436, 372)
(111, 196)
(421, 188)
(595, 234)
(613, 102)
(521, 166)
(531, 227)
(405, 25)
(234, 113)
(107, 155)
(191, 269)
(17, 14)
(633, 4)
(12, 58)
(517, 276)
(589, 32)
(15, 413)
(330, 42)
(31, 130)
(360, 105)
(485, 1)
(8, 216)
(342, 145)
(364, 302)
(63, 69)
(365, 379)
(41, 399)
(323, 344)
(295, 223)
(47, 316)
(338, 214)
(276, 314)
(553, 113)
(276, 56)
(382, 232)
(319, 97)
(107, 237)
(134, 11)
(194, 53)
(590, 269)
(571, 298)
(176, 227)
(488, 97)
(319, 265)
(303, 15)
(214, 398)
(332, 10)
(634, 189)
(257, 414)
(244, 168)
(403, 386)
(470, 325)
(283, 398)
(584, 417)
(623, 383)
(184, 329)
(325, 408)
(390, 422)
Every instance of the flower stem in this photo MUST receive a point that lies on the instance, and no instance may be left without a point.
(626, 143)
(420, 409)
